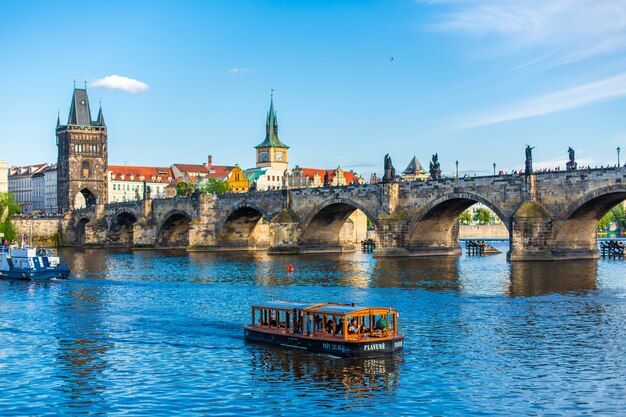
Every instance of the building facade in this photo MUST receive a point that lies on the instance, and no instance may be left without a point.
(4, 177)
(82, 156)
(314, 177)
(237, 181)
(128, 183)
(21, 185)
(50, 190)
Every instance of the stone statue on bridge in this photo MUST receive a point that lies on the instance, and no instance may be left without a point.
(529, 159)
(435, 168)
(326, 179)
(571, 165)
(390, 171)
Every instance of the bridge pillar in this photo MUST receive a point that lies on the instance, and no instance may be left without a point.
(145, 232)
(284, 232)
(391, 231)
(96, 231)
(533, 237)
(202, 229)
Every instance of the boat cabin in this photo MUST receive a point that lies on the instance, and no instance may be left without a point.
(331, 321)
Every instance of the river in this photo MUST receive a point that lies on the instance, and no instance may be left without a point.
(160, 333)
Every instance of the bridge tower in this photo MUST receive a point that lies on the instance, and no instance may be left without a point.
(82, 156)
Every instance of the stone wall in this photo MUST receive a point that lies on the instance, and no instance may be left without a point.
(46, 232)
(486, 231)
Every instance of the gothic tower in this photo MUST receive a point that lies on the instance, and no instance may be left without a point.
(272, 152)
(82, 156)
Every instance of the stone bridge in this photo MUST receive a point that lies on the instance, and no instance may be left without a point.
(549, 216)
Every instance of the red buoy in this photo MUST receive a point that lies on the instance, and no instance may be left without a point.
(290, 268)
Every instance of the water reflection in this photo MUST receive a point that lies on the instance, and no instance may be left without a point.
(540, 278)
(82, 347)
(354, 378)
(437, 273)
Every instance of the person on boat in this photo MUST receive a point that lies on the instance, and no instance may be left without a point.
(363, 329)
(339, 327)
(272, 319)
(329, 326)
(352, 328)
(14, 243)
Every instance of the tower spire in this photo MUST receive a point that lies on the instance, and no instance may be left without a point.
(58, 118)
(271, 127)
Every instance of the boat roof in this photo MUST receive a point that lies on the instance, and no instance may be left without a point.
(319, 308)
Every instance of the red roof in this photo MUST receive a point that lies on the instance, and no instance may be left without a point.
(348, 175)
(204, 171)
(149, 174)
(29, 169)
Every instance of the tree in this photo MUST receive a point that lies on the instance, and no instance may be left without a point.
(483, 216)
(8, 208)
(185, 189)
(215, 186)
(615, 215)
(466, 217)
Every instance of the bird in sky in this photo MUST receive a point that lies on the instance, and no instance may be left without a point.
(391, 59)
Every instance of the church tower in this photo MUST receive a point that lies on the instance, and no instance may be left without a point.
(272, 153)
(82, 156)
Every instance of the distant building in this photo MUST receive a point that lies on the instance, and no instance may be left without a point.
(414, 171)
(21, 184)
(82, 156)
(50, 190)
(197, 173)
(314, 177)
(4, 177)
(237, 180)
(271, 157)
(126, 183)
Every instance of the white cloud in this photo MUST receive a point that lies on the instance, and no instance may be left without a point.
(239, 71)
(571, 98)
(118, 82)
(566, 30)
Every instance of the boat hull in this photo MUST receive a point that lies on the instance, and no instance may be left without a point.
(344, 348)
(59, 272)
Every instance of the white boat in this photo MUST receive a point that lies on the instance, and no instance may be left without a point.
(31, 263)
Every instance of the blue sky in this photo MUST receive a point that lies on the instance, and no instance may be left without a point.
(474, 81)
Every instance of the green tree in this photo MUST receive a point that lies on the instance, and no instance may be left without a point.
(8, 209)
(185, 189)
(466, 217)
(215, 186)
(615, 215)
(483, 216)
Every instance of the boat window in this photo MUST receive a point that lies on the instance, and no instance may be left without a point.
(392, 322)
(282, 319)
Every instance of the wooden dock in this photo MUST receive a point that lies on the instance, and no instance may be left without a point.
(368, 245)
(612, 249)
(479, 248)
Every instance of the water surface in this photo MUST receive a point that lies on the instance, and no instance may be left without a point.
(160, 333)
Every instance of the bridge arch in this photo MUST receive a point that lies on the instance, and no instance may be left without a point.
(174, 229)
(244, 227)
(85, 197)
(121, 228)
(328, 225)
(577, 229)
(434, 226)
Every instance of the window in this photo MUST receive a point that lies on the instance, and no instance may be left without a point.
(86, 169)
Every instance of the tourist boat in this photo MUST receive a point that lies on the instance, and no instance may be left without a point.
(338, 329)
(31, 263)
